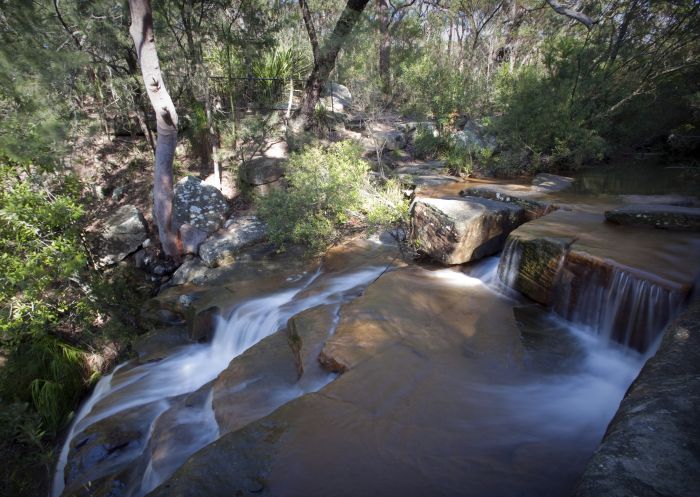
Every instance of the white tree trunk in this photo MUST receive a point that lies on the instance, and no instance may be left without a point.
(141, 31)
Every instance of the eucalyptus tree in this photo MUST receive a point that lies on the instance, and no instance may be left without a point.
(142, 32)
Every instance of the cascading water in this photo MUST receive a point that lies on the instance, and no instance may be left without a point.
(609, 300)
(157, 383)
(625, 309)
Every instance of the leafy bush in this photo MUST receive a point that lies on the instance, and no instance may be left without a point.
(536, 115)
(328, 188)
(41, 255)
(429, 143)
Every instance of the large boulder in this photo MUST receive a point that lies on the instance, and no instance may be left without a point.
(459, 230)
(221, 248)
(199, 205)
(338, 95)
(669, 217)
(121, 234)
(651, 445)
(262, 170)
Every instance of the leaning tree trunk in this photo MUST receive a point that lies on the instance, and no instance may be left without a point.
(141, 31)
(325, 62)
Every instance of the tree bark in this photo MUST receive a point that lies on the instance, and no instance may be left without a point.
(141, 31)
(325, 62)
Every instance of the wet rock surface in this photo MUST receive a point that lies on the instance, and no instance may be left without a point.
(108, 447)
(459, 230)
(668, 217)
(414, 348)
(120, 235)
(651, 446)
(198, 204)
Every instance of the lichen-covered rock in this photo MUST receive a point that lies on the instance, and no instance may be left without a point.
(651, 446)
(122, 234)
(459, 230)
(262, 170)
(198, 204)
(670, 217)
(221, 248)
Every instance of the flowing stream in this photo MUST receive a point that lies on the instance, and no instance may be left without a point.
(191, 367)
(538, 411)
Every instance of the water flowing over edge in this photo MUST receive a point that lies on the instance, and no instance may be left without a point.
(182, 372)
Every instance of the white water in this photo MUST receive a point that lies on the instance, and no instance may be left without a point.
(625, 309)
(194, 366)
(629, 310)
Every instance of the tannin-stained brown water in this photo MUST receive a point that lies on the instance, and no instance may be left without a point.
(436, 382)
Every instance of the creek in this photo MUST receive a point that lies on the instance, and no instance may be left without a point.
(436, 381)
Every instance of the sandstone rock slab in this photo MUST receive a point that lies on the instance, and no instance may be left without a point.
(669, 217)
(623, 282)
(458, 230)
(222, 248)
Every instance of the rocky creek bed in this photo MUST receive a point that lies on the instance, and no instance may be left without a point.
(365, 374)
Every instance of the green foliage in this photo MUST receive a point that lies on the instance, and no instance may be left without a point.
(429, 143)
(447, 88)
(328, 188)
(537, 117)
(40, 254)
(21, 440)
(282, 64)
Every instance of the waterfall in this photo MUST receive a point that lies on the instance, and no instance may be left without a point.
(610, 300)
(619, 307)
(509, 262)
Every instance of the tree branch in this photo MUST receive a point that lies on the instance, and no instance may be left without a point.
(308, 22)
(571, 13)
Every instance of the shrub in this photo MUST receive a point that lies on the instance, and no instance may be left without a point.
(328, 188)
(429, 143)
(41, 254)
